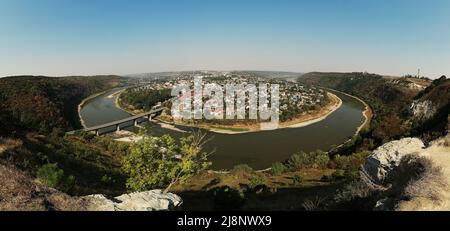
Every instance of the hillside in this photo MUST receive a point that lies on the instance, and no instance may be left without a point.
(396, 104)
(37, 103)
(20, 193)
(431, 108)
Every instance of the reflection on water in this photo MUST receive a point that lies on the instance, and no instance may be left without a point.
(260, 149)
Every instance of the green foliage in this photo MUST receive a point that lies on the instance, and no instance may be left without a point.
(352, 161)
(321, 159)
(107, 179)
(348, 166)
(242, 168)
(144, 99)
(297, 180)
(86, 135)
(300, 160)
(159, 161)
(40, 104)
(337, 175)
(278, 168)
(54, 177)
(318, 159)
(256, 180)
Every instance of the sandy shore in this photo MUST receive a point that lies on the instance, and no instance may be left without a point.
(318, 117)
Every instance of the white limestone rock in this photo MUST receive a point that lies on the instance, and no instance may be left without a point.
(423, 110)
(387, 157)
(153, 200)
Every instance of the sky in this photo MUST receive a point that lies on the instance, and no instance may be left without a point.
(90, 37)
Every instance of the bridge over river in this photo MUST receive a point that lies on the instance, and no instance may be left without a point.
(135, 119)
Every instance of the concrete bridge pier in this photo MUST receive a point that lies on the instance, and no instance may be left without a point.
(97, 133)
(135, 122)
(117, 128)
(149, 117)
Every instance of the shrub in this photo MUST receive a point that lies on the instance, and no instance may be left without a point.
(256, 180)
(107, 179)
(337, 175)
(417, 177)
(299, 160)
(54, 177)
(353, 190)
(297, 180)
(315, 204)
(278, 168)
(242, 168)
(321, 159)
(86, 135)
(352, 172)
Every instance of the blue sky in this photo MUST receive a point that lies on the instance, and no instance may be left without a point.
(86, 37)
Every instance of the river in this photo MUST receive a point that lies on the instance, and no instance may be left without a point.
(258, 149)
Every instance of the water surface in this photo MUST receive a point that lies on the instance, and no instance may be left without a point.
(259, 149)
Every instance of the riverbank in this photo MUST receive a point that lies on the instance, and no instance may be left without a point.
(84, 101)
(301, 121)
(367, 113)
(257, 149)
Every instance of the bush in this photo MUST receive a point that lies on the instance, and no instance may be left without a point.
(353, 190)
(54, 177)
(299, 160)
(242, 168)
(297, 180)
(86, 135)
(417, 177)
(352, 173)
(313, 159)
(337, 175)
(278, 168)
(255, 181)
(321, 159)
(107, 179)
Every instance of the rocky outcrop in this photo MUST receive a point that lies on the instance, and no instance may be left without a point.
(154, 200)
(19, 191)
(387, 157)
(423, 110)
(412, 177)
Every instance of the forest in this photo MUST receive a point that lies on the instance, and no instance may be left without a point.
(38, 103)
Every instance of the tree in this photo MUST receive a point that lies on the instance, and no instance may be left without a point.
(160, 162)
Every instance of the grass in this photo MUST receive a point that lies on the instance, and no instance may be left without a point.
(278, 193)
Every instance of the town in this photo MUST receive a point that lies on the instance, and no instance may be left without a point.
(294, 99)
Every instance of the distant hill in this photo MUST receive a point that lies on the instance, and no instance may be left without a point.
(39, 103)
(275, 74)
(265, 74)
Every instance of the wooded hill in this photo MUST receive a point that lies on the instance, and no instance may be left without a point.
(391, 104)
(38, 103)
